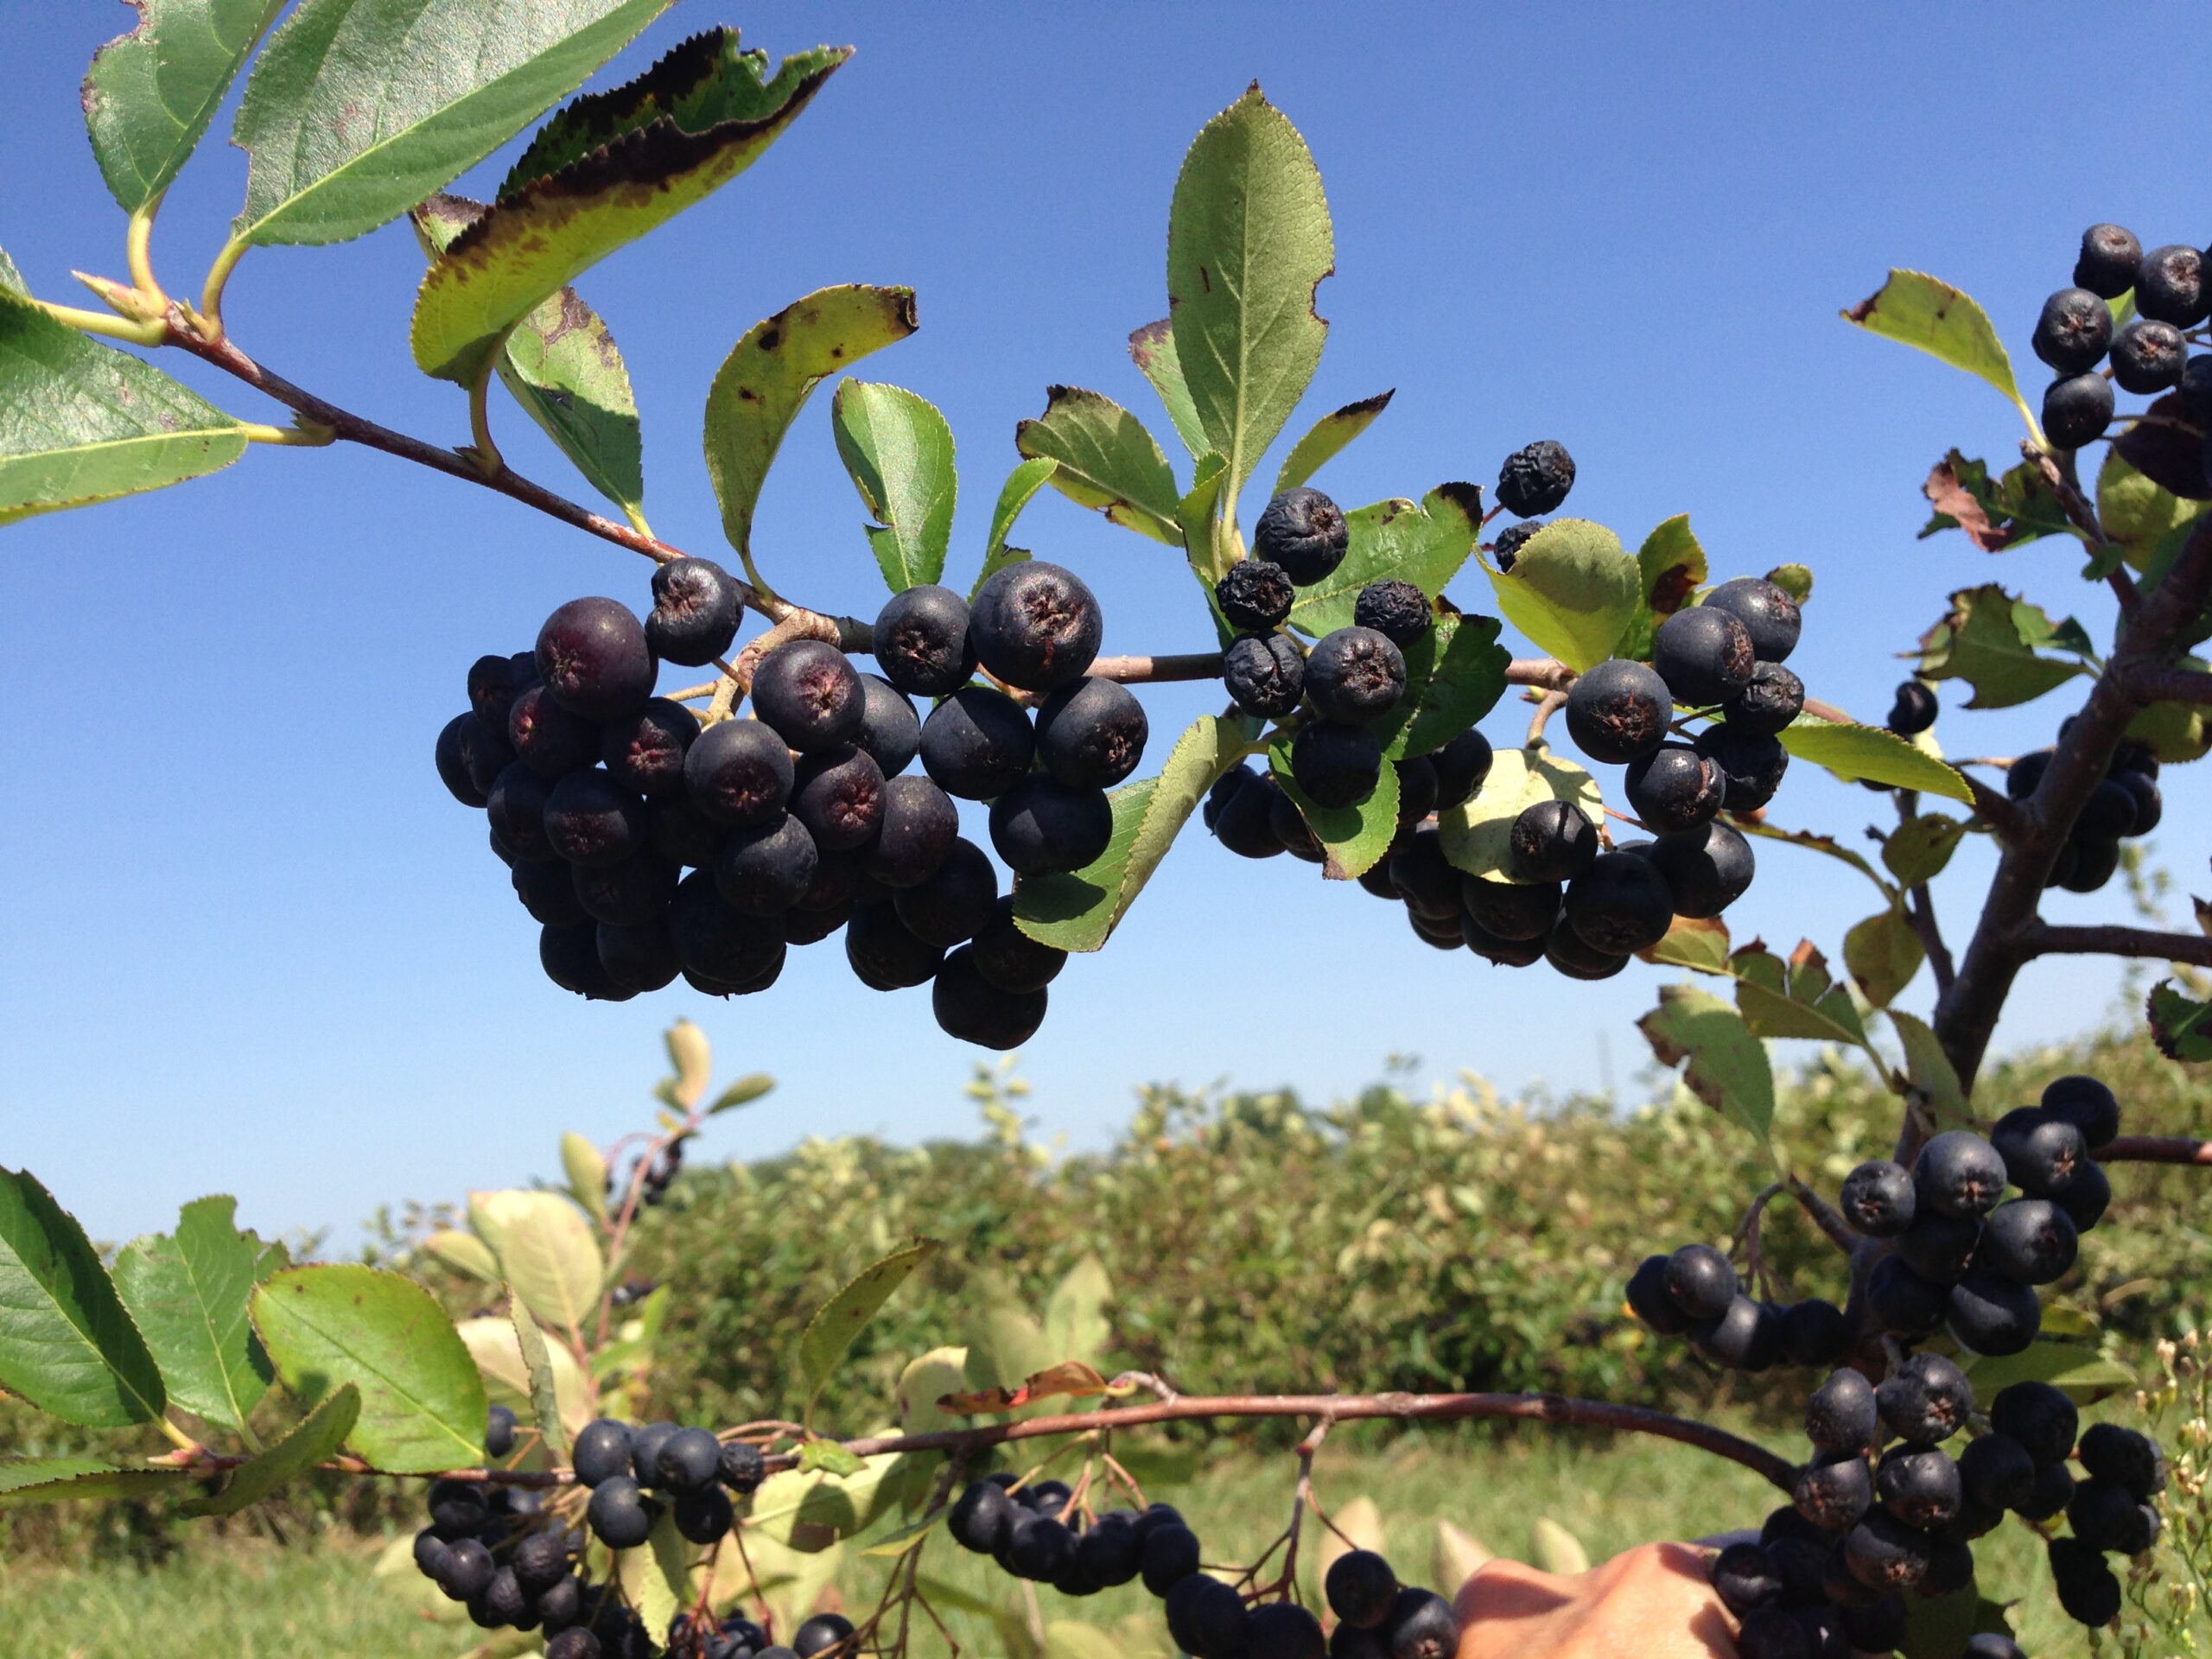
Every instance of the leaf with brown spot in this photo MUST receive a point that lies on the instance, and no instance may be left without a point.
(1326, 436)
(1152, 348)
(829, 1333)
(1105, 459)
(562, 365)
(1995, 514)
(1070, 1378)
(669, 152)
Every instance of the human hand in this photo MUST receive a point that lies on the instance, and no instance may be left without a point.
(1653, 1602)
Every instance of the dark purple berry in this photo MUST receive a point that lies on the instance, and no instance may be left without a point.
(548, 739)
(2073, 331)
(697, 609)
(970, 1007)
(1397, 610)
(920, 824)
(1619, 711)
(1355, 675)
(646, 752)
(1766, 706)
(593, 657)
(1959, 1174)
(1913, 711)
(593, 820)
(1256, 596)
(2087, 1105)
(808, 695)
(1008, 958)
(739, 773)
(921, 641)
(1535, 479)
(955, 902)
(1035, 625)
(2109, 260)
(890, 730)
(1336, 765)
(1552, 841)
(2169, 285)
(2148, 357)
(977, 743)
(1620, 904)
(1751, 767)
(1265, 674)
(1304, 532)
(1091, 734)
(1769, 614)
(765, 870)
(2077, 409)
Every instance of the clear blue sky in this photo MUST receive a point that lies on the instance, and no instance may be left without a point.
(249, 945)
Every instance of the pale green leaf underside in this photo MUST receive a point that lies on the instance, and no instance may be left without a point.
(67, 1346)
(422, 1401)
(1929, 1069)
(1076, 912)
(497, 1350)
(316, 1438)
(150, 93)
(1394, 540)
(81, 423)
(359, 109)
(897, 449)
(186, 1293)
(1106, 460)
(1326, 436)
(1573, 591)
(546, 1251)
(768, 375)
(554, 228)
(1248, 241)
(586, 1168)
(1868, 752)
(655, 1580)
(1477, 833)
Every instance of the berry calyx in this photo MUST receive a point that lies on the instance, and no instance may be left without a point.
(1303, 533)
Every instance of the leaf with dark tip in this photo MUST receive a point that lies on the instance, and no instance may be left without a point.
(359, 109)
(66, 1345)
(1106, 460)
(1152, 348)
(769, 374)
(1249, 242)
(186, 1293)
(1918, 310)
(314, 1440)
(1328, 435)
(150, 93)
(549, 231)
(562, 365)
(81, 423)
(1394, 540)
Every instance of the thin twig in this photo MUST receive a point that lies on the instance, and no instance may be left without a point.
(1824, 1216)
(2156, 1149)
(2042, 939)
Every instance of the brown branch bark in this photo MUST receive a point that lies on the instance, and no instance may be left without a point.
(2044, 940)
(2174, 686)
(2156, 1149)
(2151, 637)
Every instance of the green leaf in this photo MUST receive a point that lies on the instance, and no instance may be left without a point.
(150, 93)
(2136, 513)
(1425, 546)
(187, 1293)
(2082, 1374)
(743, 1092)
(359, 109)
(811, 1509)
(544, 1382)
(314, 1440)
(1918, 848)
(1919, 311)
(2175, 732)
(492, 1343)
(1727, 1069)
(1939, 1627)
(1855, 751)
(1021, 486)
(2180, 1026)
(656, 1578)
(1799, 998)
(80, 422)
(546, 1251)
(1989, 639)
(1248, 244)
(688, 126)
(422, 1401)
(1573, 591)
(898, 450)
(560, 365)
(1066, 1639)
(1078, 911)
(1152, 348)
(1075, 1315)
(1670, 567)
(2017, 508)
(1455, 673)
(830, 1456)
(1196, 513)
(464, 1253)
(1353, 837)
(1106, 460)
(1475, 834)
(831, 1330)
(67, 1346)
(58, 1480)
(1326, 436)
(587, 1173)
(1883, 953)
(1700, 944)
(768, 375)
(1928, 1069)
(1794, 580)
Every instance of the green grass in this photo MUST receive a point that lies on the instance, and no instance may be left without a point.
(248, 1600)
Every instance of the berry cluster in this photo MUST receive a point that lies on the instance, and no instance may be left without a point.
(1038, 1531)
(2124, 805)
(803, 820)
(632, 1473)
(1881, 1509)
(2150, 355)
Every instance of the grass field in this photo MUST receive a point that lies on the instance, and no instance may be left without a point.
(261, 1602)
